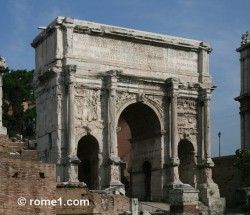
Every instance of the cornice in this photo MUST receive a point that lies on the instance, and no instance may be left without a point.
(103, 30)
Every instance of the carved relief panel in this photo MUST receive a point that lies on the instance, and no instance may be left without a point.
(187, 116)
(122, 98)
(159, 102)
(88, 104)
(88, 110)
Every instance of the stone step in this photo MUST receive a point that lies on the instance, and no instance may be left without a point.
(154, 206)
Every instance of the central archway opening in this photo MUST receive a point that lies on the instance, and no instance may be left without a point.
(139, 147)
(87, 152)
(187, 165)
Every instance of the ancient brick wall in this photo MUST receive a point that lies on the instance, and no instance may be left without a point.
(98, 203)
(228, 179)
(23, 176)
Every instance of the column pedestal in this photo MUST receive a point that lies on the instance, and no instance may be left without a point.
(184, 199)
(72, 169)
(209, 191)
(115, 172)
(172, 177)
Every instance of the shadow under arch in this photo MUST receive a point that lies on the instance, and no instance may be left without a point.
(187, 167)
(87, 152)
(151, 106)
(147, 170)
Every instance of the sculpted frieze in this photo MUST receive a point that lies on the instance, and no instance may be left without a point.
(122, 98)
(158, 100)
(187, 121)
(88, 105)
(187, 116)
(187, 105)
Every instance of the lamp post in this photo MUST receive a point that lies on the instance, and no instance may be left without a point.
(219, 134)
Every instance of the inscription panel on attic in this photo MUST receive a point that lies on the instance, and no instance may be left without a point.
(131, 53)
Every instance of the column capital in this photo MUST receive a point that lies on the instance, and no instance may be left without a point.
(72, 159)
(71, 69)
(205, 94)
(174, 161)
(3, 64)
(111, 76)
(206, 163)
(205, 46)
(68, 23)
(173, 88)
(70, 74)
(113, 73)
(173, 95)
(173, 83)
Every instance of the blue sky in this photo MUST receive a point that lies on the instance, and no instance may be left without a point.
(220, 22)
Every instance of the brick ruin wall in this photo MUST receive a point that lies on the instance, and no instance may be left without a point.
(21, 175)
(228, 178)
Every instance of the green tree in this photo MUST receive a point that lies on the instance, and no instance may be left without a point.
(243, 163)
(17, 88)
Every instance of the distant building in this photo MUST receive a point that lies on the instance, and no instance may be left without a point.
(26, 106)
(244, 97)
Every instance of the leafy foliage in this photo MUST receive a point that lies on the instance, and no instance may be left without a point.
(247, 207)
(243, 163)
(17, 88)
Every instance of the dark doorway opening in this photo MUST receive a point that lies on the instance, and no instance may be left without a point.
(187, 162)
(87, 152)
(146, 168)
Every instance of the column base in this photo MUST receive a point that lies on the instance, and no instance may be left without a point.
(115, 182)
(3, 130)
(113, 172)
(210, 196)
(72, 169)
(172, 180)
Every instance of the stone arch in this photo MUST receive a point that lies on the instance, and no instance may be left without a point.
(187, 167)
(146, 145)
(190, 138)
(87, 152)
(148, 103)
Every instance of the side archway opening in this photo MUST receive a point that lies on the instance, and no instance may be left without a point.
(87, 152)
(187, 165)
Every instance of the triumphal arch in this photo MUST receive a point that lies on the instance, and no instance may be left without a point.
(119, 107)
